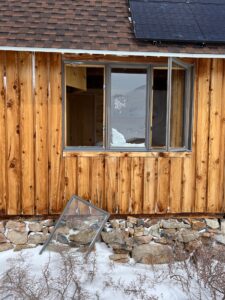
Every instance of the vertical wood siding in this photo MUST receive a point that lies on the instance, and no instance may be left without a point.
(13, 134)
(41, 100)
(3, 179)
(26, 133)
(35, 177)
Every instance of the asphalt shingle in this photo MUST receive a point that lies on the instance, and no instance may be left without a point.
(78, 24)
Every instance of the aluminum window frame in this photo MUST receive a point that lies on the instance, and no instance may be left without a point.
(107, 126)
(187, 104)
(156, 66)
(84, 64)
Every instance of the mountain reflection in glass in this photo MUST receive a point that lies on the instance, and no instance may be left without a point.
(128, 107)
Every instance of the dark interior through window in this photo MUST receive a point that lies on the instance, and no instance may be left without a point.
(159, 109)
(84, 106)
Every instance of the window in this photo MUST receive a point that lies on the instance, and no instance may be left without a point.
(128, 107)
(158, 116)
(84, 106)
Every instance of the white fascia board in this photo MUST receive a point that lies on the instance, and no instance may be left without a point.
(116, 53)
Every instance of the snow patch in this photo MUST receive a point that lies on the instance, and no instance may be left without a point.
(118, 140)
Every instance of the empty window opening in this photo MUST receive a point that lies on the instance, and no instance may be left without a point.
(84, 105)
(159, 109)
(177, 106)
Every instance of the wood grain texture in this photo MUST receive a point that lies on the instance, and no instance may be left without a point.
(3, 181)
(150, 183)
(177, 108)
(70, 178)
(127, 59)
(162, 199)
(26, 132)
(13, 134)
(215, 130)
(111, 184)
(84, 177)
(124, 185)
(202, 135)
(56, 162)
(175, 185)
(189, 163)
(41, 132)
(222, 147)
(127, 154)
(38, 177)
(98, 181)
(137, 182)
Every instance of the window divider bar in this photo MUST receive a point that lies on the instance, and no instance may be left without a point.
(148, 108)
(64, 104)
(187, 107)
(169, 93)
(108, 128)
(191, 113)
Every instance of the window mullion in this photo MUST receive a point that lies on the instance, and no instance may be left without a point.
(107, 107)
(169, 93)
(187, 107)
(148, 108)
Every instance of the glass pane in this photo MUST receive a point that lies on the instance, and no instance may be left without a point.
(177, 106)
(78, 226)
(128, 107)
(159, 109)
(84, 106)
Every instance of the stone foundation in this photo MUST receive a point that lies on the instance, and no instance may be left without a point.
(150, 241)
(156, 241)
(20, 235)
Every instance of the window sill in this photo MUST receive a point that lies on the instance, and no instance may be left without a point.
(125, 154)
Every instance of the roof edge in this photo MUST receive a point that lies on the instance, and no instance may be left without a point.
(116, 53)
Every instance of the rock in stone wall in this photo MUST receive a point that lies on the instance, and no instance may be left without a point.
(20, 235)
(155, 241)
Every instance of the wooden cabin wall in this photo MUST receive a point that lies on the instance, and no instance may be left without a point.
(36, 177)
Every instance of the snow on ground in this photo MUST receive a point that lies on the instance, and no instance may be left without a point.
(118, 140)
(158, 284)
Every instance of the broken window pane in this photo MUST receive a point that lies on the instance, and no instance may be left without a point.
(78, 226)
(128, 107)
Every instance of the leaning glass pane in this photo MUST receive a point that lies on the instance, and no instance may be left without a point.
(159, 107)
(78, 227)
(177, 106)
(128, 107)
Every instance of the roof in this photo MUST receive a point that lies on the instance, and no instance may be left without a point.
(196, 21)
(82, 24)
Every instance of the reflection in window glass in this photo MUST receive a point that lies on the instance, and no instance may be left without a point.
(159, 109)
(84, 106)
(128, 107)
(177, 107)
